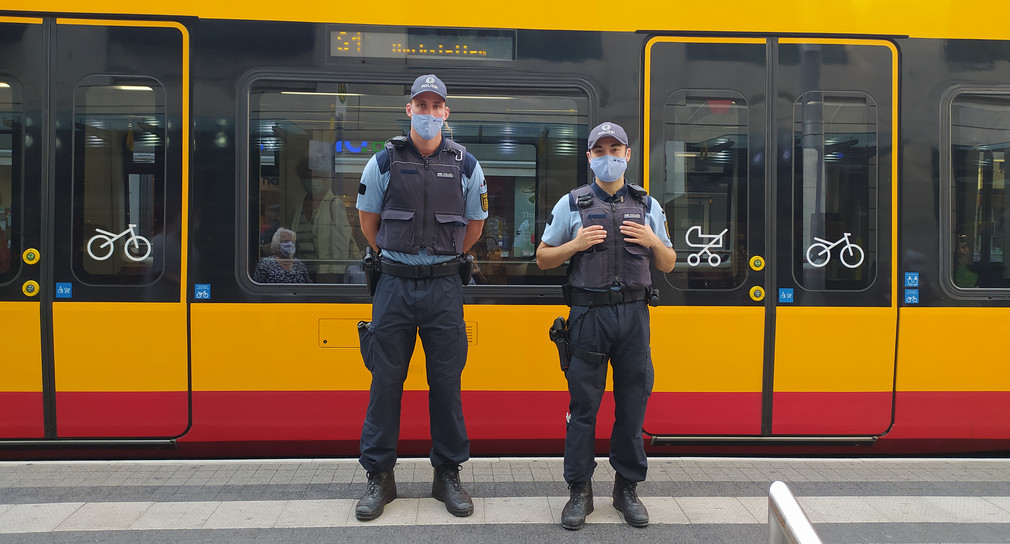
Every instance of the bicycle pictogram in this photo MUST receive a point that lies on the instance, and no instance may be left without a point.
(136, 247)
(850, 254)
(713, 241)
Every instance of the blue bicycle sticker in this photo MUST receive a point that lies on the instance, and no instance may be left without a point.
(202, 291)
(911, 296)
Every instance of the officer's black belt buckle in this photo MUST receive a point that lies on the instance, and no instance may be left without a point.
(581, 297)
(399, 270)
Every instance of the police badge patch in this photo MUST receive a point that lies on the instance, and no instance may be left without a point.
(483, 201)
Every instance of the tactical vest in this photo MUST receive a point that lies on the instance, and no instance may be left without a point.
(423, 207)
(613, 261)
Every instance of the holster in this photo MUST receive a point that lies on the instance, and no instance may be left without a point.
(559, 335)
(365, 342)
(372, 266)
(465, 268)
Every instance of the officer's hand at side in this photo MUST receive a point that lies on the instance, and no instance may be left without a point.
(639, 234)
(588, 237)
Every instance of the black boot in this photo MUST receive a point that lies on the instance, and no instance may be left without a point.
(626, 502)
(573, 517)
(446, 488)
(381, 490)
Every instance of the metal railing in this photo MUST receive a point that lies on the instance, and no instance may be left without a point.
(787, 523)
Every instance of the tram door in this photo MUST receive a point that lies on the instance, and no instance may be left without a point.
(773, 159)
(101, 172)
(21, 92)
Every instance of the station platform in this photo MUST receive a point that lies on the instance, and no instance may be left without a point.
(697, 500)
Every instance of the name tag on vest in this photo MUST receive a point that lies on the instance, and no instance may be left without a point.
(443, 174)
(632, 216)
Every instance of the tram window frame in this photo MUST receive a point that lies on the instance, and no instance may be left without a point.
(134, 184)
(978, 237)
(689, 166)
(512, 164)
(829, 185)
(11, 178)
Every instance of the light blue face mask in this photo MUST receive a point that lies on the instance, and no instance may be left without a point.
(287, 249)
(608, 168)
(426, 126)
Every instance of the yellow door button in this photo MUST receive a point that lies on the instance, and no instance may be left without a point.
(31, 256)
(30, 288)
(757, 293)
(757, 263)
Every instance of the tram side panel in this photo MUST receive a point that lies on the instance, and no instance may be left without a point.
(953, 378)
(281, 364)
(274, 364)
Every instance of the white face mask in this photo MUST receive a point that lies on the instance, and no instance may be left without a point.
(608, 168)
(287, 249)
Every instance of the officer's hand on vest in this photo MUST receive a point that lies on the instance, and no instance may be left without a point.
(588, 237)
(639, 234)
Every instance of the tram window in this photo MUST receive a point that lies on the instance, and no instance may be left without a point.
(119, 180)
(980, 139)
(10, 154)
(835, 190)
(310, 141)
(705, 187)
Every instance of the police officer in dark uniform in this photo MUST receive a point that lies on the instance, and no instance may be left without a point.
(610, 230)
(422, 201)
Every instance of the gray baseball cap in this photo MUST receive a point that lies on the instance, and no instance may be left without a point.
(428, 83)
(607, 129)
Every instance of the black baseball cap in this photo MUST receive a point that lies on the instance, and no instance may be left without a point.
(428, 83)
(607, 129)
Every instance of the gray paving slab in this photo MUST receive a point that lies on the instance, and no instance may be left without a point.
(175, 515)
(694, 499)
(36, 518)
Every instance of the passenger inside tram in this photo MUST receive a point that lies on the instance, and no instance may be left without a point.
(325, 239)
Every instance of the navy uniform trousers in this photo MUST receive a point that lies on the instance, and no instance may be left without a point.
(402, 309)
(622, 331)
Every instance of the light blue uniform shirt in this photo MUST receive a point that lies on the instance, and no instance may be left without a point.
(375, 178)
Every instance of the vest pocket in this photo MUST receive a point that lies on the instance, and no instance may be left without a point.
(637, 251)
(396, 229)
(636, 266)
(449, 232)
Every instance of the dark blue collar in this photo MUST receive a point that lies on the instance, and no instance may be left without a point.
(619, 196)
(441, 146)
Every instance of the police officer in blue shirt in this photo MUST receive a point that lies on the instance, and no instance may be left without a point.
(422, 201)
(610, 230)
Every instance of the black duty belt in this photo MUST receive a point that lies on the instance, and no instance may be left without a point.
(581, 297)
(418, 271)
